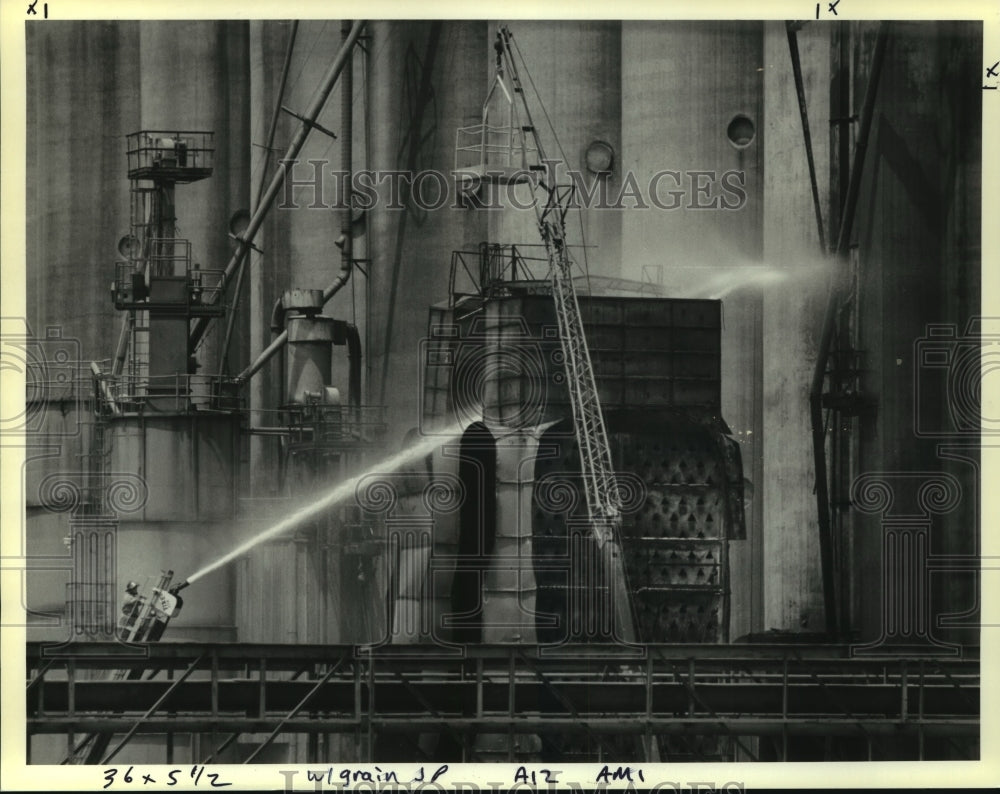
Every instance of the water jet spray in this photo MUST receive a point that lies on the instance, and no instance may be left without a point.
(339, 493)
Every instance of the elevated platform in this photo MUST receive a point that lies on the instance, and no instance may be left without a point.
(473, 175)
(752, 696)
(191, 293)
(504, 154)
(175, 156)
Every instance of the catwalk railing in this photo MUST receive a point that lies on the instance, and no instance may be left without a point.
(735, 691)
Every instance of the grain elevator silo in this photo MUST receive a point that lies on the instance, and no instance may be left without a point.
(568, 512)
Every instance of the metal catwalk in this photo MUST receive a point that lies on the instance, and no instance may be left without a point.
(753, 700)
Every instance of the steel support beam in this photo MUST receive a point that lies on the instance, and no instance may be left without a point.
(737, 692)
(241, 267)
(568, 704)
(826, 341)
(289, 658)
(631, 724)
(800, 90)
(311, 114)
(298, 707)
(149, 712)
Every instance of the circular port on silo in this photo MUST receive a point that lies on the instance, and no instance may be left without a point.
(740, 131)
(599, 157)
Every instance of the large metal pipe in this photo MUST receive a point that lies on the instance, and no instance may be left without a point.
(265, 355)
(829, 326)
(354, 367)
(309, 118)
(793, 50)
(344, 242)
(121, 350)
(102, 384)
(276, 113)
(241, 270)
(346, 153)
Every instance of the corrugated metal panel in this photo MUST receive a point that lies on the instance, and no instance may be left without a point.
(505, 364)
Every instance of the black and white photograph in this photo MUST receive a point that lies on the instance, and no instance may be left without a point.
(475, 403)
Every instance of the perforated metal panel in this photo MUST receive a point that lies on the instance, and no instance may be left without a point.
(675, 543)
(677, 524)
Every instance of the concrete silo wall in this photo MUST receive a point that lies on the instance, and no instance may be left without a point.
(90, 84)
(426, 79)
(918, 231)
(693, 106)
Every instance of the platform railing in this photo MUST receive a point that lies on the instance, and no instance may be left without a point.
(171, 151)
(480, 147)
(770, 692)
(167, 393)
(322, 424)
(202, 287)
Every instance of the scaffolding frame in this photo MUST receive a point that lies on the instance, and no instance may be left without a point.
(741, 692)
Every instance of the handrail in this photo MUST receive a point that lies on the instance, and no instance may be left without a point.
(151, 709)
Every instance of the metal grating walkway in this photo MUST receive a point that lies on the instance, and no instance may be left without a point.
(771, 693)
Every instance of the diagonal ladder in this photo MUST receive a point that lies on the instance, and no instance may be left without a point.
(601, 487)
(600, 484)
(603, 499)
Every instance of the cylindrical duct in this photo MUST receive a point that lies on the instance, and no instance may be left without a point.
(307, 358)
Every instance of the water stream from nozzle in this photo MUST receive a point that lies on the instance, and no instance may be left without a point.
(335, 495)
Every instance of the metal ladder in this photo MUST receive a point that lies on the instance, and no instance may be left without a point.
(603, 500)
(600, 485)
